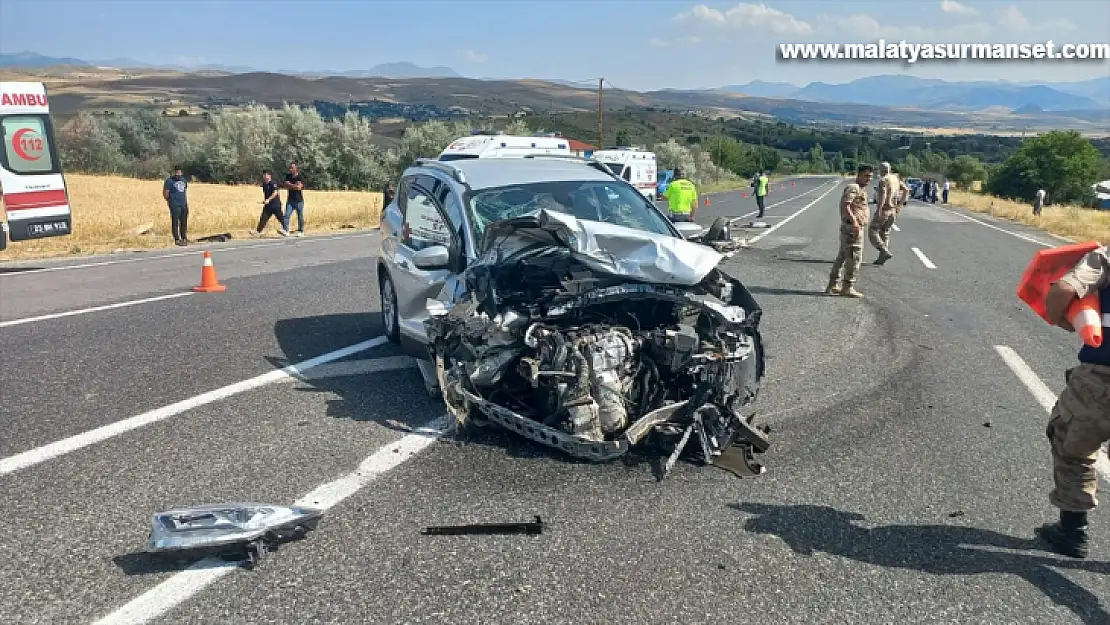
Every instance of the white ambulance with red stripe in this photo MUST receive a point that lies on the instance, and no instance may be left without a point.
(32, 188)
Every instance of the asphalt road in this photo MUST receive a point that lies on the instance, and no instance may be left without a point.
(908, 467)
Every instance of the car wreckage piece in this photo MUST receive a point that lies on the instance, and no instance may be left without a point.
(246, 530)
(593, 338)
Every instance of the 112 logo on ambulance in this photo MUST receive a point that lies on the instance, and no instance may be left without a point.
(32, 186)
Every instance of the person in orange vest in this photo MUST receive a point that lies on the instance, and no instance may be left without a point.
(1080, 421)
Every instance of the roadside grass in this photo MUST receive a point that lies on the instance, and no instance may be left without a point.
(1073, 222)
(110, 212)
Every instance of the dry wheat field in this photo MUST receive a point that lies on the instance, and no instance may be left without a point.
(1082, 224)
(113, 213)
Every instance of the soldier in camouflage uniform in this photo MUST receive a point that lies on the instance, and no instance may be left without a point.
(1080, 421)
(888, 204)
(853, 219)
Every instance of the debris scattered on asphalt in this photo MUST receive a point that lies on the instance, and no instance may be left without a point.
(533, 528)
(216, 238)
(987, 424)
(955, 514)
(246, 530)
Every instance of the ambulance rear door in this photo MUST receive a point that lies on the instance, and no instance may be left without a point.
(32, 186)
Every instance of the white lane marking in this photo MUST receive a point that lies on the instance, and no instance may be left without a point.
(356, 367)
(177, 254)
(179, 588)
(782, 223)
(770, 206)
(38, 455)
(896, 228)
(993, 227)
(924, 259)
(70, 313)
(1044, 395)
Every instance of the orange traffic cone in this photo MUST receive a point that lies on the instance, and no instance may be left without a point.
(793, 183)
(208, 281)
(744, 194)
(707, 200)
(1086, 318)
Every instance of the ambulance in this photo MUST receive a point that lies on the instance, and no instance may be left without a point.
(503, 146)
(32, 188)
(635, 165)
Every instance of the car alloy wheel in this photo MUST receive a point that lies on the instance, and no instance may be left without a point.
(389, 309)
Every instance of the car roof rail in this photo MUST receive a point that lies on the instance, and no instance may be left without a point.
(572, 157)
(445, 167)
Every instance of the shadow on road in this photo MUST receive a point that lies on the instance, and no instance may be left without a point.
(16, 270)
(934, 549)
(393, 398)
(766, 290)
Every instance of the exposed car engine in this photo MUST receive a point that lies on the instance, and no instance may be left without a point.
(593, 363)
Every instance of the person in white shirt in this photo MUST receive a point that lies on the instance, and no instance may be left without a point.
(1038, 202)
(945, 200)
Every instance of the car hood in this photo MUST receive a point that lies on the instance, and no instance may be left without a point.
(603, 247)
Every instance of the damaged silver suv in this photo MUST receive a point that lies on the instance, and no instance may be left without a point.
(549, 297)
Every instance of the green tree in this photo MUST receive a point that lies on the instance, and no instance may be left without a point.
(623, 139)
(1061, 162)
(817, 159)
(964, 170)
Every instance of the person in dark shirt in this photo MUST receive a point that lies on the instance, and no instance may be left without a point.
(294, 201)
(271, 205)
(174, 192)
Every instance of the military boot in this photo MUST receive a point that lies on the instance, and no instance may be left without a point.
(833, 288)
(883, 257)
(1068, 536)
(849, 290)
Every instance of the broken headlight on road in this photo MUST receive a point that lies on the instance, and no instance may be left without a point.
(594, 339)
(247, 529)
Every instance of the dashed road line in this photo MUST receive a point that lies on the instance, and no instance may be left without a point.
(53, 450)
(924, 259)
(177, 589)
(1044, 395)
(82, 311)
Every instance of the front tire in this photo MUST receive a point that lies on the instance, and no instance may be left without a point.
(389, 308)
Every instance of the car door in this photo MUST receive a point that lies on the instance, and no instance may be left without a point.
(424, 226)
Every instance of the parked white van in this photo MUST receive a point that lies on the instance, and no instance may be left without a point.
(503, 146)
(635, 165)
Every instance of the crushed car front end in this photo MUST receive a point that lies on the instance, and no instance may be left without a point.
(594, 339)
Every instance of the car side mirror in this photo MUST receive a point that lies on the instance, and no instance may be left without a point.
(434, 257)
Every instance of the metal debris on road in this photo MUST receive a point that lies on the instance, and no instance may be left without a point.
(247, 529)
(533, 528)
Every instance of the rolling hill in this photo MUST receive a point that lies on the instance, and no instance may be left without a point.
(74, 89)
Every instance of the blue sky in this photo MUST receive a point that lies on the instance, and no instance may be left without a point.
(633, 44)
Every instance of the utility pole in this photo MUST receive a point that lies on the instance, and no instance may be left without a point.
(600, 126)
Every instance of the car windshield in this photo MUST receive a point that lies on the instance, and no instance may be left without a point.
(588, 200)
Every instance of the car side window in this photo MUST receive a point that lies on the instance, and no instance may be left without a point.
(424, 224)
(627, 174)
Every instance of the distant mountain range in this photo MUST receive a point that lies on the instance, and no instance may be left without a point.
(913, 92)
(384, 70)
(1082, 99)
